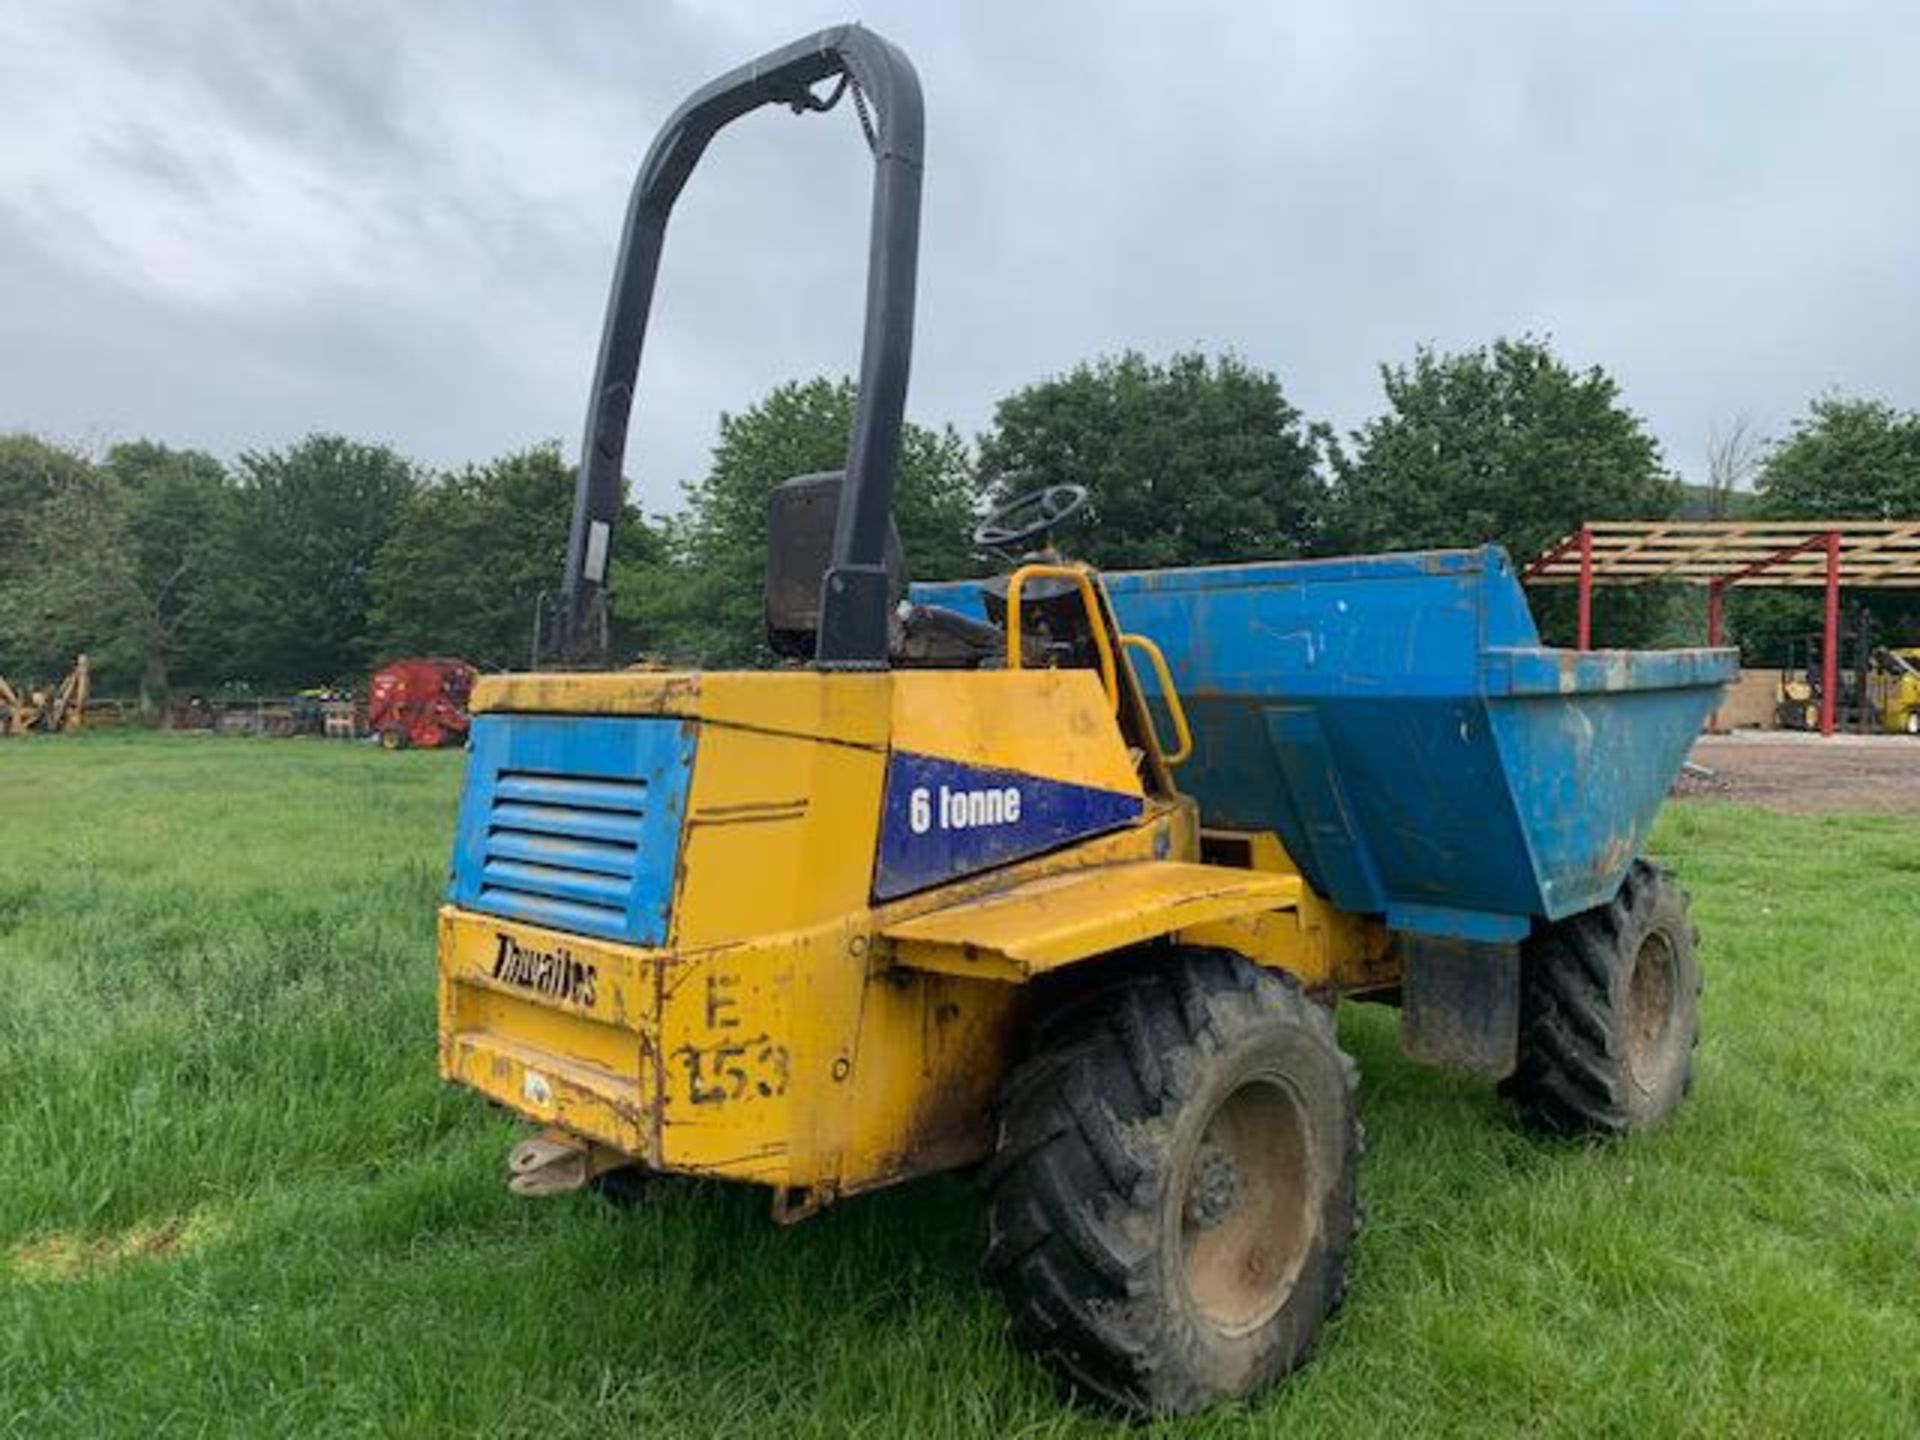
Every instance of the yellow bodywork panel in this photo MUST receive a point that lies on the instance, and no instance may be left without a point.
(1323, 948)
(771, 823)
(1028, 929)
(576, 1060)
(843, 708)
(1057, 724)
(789, 1061)
(792, 1030)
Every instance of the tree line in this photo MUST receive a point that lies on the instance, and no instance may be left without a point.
(309, 565)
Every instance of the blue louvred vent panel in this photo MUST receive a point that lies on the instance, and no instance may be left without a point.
(574, 823)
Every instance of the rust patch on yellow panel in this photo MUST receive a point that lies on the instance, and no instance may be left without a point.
(933, 1052)
(535, 1082)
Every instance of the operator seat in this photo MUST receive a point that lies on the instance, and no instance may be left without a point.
(800, 520)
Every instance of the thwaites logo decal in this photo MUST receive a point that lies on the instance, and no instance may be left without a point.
(945, 819)
(553, 973)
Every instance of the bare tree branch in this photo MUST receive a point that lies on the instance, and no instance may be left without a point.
(1733, 457)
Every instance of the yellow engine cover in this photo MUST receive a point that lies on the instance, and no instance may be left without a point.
(765, 949)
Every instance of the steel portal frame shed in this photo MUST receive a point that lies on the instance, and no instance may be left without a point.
(1719, 554)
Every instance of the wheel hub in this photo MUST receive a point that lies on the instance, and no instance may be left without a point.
(1214, 1190)
(1247, 1217)
(1650, 1004)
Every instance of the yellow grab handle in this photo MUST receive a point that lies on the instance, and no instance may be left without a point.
(1108, 676)
(1175, 707)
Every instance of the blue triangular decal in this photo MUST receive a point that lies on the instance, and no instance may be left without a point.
(945, 819)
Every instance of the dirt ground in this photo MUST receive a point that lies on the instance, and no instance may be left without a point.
(1802, 774)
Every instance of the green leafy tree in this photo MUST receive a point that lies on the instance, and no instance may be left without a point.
(310, 523)
(463, 568)
(179, 546)
(121, 561)
(68, 586)
(706, 606)
(1846, 459)
(1506, 443)
(31, 469)
(1187, 462)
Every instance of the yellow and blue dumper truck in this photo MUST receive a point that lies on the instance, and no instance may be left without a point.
(1056, 874)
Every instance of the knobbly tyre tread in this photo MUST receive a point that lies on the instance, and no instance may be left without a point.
(1076, 1185)
(1572, 1077)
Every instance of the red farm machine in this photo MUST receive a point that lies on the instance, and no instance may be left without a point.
(420, 704)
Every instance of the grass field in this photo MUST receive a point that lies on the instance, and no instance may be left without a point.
(234, 1199)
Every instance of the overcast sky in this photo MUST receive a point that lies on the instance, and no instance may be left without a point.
(226, 224)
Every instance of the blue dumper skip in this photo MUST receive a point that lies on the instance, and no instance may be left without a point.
(1398, 722)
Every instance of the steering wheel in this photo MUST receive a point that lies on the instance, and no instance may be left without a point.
(1029, 516)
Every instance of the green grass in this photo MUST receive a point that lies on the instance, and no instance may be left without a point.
(234, 1199)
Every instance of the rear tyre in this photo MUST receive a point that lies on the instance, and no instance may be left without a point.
(1174, 1189)
(1610, 1013)
(393, 738)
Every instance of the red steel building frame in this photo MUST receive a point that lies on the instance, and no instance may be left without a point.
(1719, 554)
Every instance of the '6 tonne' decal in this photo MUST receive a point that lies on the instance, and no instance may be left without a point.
(945, 819)
(938, 807)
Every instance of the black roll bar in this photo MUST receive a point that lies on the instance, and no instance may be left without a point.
(855, 595)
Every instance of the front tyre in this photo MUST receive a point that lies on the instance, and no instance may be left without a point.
(1610, 1013)
(1174, 1191)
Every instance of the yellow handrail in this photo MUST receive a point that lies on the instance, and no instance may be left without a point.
(1109, 675)
(1175, 706)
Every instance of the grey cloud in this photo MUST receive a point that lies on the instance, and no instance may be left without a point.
(225, 223)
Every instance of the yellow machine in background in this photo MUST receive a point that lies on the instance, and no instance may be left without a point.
(931, 895)
(1876, 688)
(61, 710)
(1896, 687)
